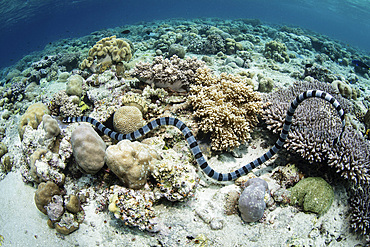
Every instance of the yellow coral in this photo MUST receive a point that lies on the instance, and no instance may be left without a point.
(105, 52)
(135, 100)
(32, 117)
(226, 107)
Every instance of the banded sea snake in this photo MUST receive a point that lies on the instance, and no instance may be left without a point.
(194, 145)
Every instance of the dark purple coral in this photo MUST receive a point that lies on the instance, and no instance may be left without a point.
(360, 210)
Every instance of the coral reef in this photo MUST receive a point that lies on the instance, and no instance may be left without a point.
(174, 73)
(314, 194)
(127, 119)
(135, 100)
(276, 51)
(88, 148)
(32, 117)
(106, 52)
(130, 161)
(226, 108)
(360, 210)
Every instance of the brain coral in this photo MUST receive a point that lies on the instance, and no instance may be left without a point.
(88, 148)
(127, 119)
(32, 117)
(174, 73)
(106, 52)
(130, 162)
(226, 107)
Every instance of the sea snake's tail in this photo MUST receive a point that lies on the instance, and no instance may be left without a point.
(194, 147)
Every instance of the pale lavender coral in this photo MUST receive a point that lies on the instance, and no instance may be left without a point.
(314, 128)
(360, 210)
(55, 208)
(174, 73)
(251, 201)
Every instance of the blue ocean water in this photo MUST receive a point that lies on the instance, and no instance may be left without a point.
(29, 25)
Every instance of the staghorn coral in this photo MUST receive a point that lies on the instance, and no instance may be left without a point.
(226, 107)
(106, 52)
(314, 128)
(174, 73)
(360, 210)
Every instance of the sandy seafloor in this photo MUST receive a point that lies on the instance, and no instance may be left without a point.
(22, 224)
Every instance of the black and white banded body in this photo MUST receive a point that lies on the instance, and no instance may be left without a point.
(194, 147)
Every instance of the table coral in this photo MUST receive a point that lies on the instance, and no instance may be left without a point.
(226, 107)
(174, 73)
(106, 52)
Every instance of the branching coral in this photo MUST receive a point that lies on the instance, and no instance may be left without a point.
(226, 107)
(64, 106)
(174, 73)
(360, 207)
(314, 128)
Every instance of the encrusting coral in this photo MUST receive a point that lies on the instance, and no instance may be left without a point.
(106, 52)
(174, 73)
(226, 107)
(276, 51)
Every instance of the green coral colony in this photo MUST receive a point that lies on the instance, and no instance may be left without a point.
(124, 93)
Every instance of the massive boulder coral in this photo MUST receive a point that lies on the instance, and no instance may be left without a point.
(314, 128)
(130, 161)
(106, 52)
(174, 73)
(88, 148)
(276, 51)
(226, 107)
